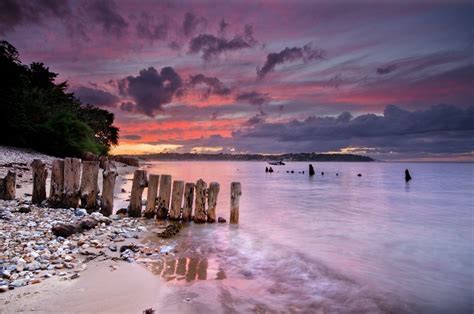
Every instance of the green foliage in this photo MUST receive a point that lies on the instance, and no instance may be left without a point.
(38, 113)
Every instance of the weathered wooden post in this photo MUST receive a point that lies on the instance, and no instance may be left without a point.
(89, 185)
(139, 183)
(200, 203)
(57, 182)
(40, 173)
(164, 197)
(188, 201)
(176, 200)
(150, 209)
(235, 193)
(72, 179)
(108, 186)
(212, 201)
(8, 186)
(311, 170)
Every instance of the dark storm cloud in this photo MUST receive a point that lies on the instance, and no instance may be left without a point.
(150, 90)
(212, 46)
(149, 29)
(305, 53)
(14, 13)
(256, 119)
(190, 23)
(386, 69)
(95, 96)
(439, 129)
(214, 85)
(253, 98)
(132, 137)
(105, 13)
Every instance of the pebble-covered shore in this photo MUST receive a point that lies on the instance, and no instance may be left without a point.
(31, 253)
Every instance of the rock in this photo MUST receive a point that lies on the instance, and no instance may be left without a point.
(63, 230)
(322, 173)
(170, 231)
(221, 220)
(80, 212)
(270, 169)
(122, 211)
(123, 190)
(359, 175)
(115, 217)
(35, 281)
(113, 248)
(18, 283)
(88, 223)
(24, 210)
(4, 288)
(74, 276)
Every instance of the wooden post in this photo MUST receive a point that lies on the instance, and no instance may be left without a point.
(200, 203)
(40, 173)
(176, 200)
(188, 201)
(150, 209)
(108, 186)
(89, 185)
(72, 179)
(235, 193)
(212, 201)
(57, 182)
(8, 186)
(164, 197)
(139, 183)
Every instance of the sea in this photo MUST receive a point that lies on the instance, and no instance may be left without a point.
(334, 242)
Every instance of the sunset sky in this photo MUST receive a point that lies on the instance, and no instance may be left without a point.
(390, 79)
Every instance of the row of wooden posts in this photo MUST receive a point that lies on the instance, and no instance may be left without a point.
(165, 198)
(71, 189)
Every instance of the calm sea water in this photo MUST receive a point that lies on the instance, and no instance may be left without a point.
(333, 243)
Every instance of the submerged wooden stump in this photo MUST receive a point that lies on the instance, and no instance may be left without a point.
(139, 183)
(176, 200)
(188, 201)
(311, 170)
(8, 186)
(212, 201)
(57, 183)
(235, 193)
(40, 173)
(200, 202)
(150, 209)
(164, 197)
(89, 185)
(108, 186)
(72, 180)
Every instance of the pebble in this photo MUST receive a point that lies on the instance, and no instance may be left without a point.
(31, 253)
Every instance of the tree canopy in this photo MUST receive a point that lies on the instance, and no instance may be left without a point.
(38, 113)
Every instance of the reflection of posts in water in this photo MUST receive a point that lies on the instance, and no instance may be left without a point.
(190, 269)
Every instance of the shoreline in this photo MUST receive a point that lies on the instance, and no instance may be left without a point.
(80, 273)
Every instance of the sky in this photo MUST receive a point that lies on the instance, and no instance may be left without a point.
(388, 79)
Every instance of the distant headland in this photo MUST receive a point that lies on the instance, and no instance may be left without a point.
(255, 157)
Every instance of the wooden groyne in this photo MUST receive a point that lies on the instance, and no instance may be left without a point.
(174, 199)
(74, 183)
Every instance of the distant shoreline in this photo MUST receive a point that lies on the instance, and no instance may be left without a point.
(255, 157)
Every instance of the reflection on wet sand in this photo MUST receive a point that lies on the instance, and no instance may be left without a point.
(187, 268)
